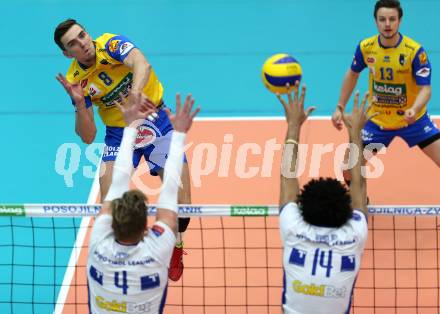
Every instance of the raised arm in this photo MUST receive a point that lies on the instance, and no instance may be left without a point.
(85, 125)
(167, 209)
(295, 117)
(141, 69)
(354, 123)
(134, 115)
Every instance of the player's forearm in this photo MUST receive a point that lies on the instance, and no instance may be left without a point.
(357, 184)
(172, 173)
(422, 98)
(348, 86)
(123, 165)
(141, 74)
(85, 125)
(289, 185)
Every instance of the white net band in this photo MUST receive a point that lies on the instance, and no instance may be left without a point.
(84, 210)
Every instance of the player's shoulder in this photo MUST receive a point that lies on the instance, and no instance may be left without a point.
(102, 40)
(369, 42)
(410, 44)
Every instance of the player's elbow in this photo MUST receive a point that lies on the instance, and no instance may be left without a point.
(87, 137)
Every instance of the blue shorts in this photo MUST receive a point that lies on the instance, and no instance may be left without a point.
(422, 133)
(152, 142)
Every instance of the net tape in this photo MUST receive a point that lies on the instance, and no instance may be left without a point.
(85, 210)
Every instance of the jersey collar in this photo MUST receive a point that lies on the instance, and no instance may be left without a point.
(395, 46)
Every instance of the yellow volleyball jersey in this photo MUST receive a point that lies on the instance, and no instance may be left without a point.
(395, 76)
(103, 82)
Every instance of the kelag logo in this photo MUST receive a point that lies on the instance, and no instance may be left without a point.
(12, 210)
(249, 210)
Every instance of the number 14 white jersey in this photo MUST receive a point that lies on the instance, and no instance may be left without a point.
(128, 278)
(320, 264)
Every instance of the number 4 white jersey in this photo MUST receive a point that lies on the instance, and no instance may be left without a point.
(128, 278)
(320, 264)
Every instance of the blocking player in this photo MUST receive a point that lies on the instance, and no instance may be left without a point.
(399, 84)
(323, 226)
(100, 72)
(127, 265)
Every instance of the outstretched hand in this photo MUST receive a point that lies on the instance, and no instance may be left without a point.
(75, 91)
(294, 109)
(184, 116)
(136, 110)
(358, 117)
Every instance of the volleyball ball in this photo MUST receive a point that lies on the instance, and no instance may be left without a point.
(279, 70)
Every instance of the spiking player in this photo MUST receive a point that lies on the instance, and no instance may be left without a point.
(400, 85)
(101, 71)
(323, 226)
(127, 266)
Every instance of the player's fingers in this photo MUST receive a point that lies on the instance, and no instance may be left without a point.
(190, 105)
(187, 104)
(356, 100)
(303, 96)
(178, 103)
(194, 113)
(309, 111)
(289, 93)
(364, 101)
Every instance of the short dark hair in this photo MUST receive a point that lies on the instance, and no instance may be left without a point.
(392, 4)
(325, 202)
(129, 215)
(61, 29)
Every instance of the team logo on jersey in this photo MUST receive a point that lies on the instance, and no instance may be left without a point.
(423, 72)
(84, 83)
(146, 136)
(157, 230)
(371, 60)
(402, 59)
(123, 87)
(125, 48)
(386, 59)
(113, 45)
(390, 94)
(93, 90)
(423, 58)
(326, 291)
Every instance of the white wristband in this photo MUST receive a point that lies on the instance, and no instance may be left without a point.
(123, 165)
(172, 173)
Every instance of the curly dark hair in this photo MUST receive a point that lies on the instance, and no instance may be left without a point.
(129, 215)
(325, 202)
(392, 4)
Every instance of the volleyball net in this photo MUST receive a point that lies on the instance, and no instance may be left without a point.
(233, 262)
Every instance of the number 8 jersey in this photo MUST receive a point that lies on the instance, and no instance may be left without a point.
(320, 264)
(109, 77)
(128, 278)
